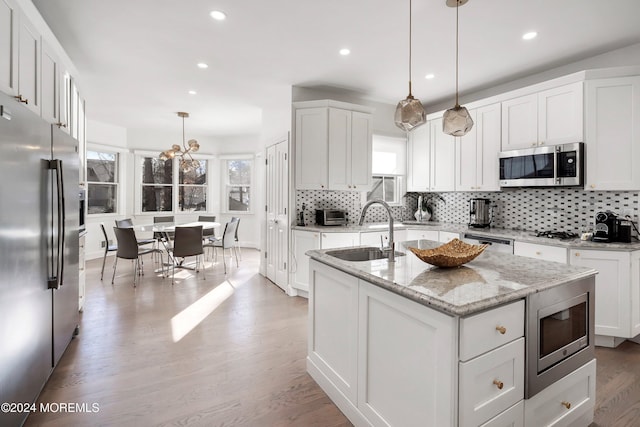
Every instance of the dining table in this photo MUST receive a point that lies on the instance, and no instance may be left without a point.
(165, 228)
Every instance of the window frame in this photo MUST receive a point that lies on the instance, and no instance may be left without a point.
(399, 188)
(118, 177)
(224, 184)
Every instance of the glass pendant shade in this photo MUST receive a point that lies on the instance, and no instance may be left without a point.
(187, 163)
(457, 121)
(410, 113)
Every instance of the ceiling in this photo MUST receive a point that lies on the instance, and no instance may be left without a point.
(137, 58)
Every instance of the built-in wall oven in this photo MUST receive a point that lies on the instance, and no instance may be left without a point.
(559, 332)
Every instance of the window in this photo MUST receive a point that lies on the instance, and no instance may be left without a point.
(238, 185)
(102, 182)
(164, 192)
(389, 169)
(192, 189)
(157, 185)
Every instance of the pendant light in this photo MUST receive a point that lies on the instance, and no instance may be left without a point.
(409, 112)
(456, 121)
(187, 162)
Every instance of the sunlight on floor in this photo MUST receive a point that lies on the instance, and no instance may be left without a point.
(184, 322)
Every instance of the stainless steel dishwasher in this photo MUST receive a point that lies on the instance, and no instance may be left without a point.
(496, 244)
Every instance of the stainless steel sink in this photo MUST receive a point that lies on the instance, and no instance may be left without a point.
(361, 254)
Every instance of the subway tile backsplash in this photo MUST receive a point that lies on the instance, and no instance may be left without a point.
(535, 209)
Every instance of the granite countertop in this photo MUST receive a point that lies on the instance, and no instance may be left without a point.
(518, 235)
(489, 280)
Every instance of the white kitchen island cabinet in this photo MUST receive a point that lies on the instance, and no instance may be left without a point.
(401, 344)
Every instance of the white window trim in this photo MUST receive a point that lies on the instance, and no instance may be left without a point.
(121, 165)
(401, 186)
(224, 173)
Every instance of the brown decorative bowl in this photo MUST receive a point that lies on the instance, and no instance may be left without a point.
(451, 254)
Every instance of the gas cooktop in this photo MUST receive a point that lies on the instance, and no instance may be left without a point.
(557, 234)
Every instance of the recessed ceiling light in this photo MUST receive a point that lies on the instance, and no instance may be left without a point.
(530, 35)
(192, 92)
(429, 76)
(218, 15)
(345, 52)
(202, 65)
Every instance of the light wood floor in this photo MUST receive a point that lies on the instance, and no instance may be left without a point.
(242, 365)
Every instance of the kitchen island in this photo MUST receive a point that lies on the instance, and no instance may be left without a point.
(406, 343)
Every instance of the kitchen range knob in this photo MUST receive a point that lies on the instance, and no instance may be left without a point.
(566, 404)
(501, 329)
(499, 384)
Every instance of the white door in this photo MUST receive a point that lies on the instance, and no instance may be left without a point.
(277, 249)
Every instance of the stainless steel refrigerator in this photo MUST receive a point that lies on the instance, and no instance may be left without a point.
(39, 212)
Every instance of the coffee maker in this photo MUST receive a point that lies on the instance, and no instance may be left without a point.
(610, 228)
(480, 213)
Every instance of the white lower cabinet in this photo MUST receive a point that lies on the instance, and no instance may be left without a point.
(420, 234)
(375, 238)
(303, 241)
(447, 236)
(567, 402)
(406, 371)
(339, 240)
(512, 417)
(543, 252)
(491, 383)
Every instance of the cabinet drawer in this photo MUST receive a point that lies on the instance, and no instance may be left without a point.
(565, 401)
(491, 383)
(544, 252)
(512, 417)
(488, 330)
(447, 236)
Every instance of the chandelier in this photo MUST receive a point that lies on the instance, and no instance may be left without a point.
(187, 162)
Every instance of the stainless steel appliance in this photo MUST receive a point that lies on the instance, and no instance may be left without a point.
(480, 213)
(39, 252)
(559, 331)
(82, 196)
(331, 217)
(496, 244)
(547, 166)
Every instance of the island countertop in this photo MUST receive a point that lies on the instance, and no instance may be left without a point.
(491, 279)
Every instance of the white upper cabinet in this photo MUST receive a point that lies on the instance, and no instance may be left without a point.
(311, 148)
(8, 47)
(50, 86)
(29, 65)
(419, 157)
(477, 152)
(431, 158)
(612, 134)
(553, 116)
(333, 146)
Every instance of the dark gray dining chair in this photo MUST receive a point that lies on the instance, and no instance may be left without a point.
(187, 242)
(227, 241)
(128, 249)
(107, 248)
(237, 242)
(209, 231)
(128, 223)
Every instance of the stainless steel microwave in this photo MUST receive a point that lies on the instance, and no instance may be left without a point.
(547, 166)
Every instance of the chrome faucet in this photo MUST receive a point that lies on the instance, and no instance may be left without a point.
(392, 245)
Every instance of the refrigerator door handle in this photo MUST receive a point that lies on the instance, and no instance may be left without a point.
(56, 281)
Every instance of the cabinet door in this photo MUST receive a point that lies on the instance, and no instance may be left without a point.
(50, 87)
(64, 100)
(560, 112)
(339, 149)
(29, 65)
(544, 252)
(333, 327)
(447, 236)
(468, 158)
(8, 47)
(418, 155)
(613, 294)
(361, 151)
(635, 293)
(417, 364)
(303, 241)
(373, 238)
(612, 138)
(520, 122)
(311, 148)
(443, 162)
(339, 240)
(488, 129)
(422, 235)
